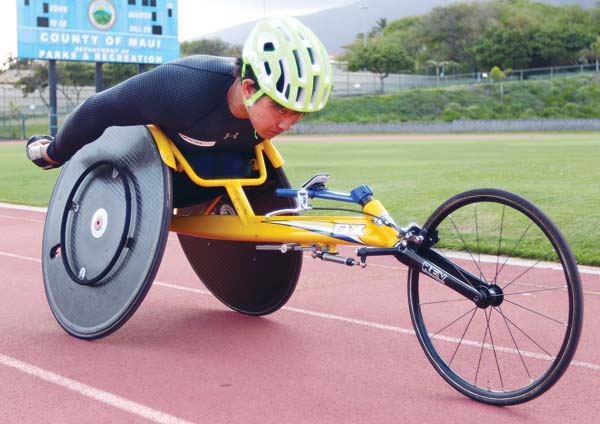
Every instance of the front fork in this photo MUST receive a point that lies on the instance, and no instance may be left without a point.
(424, 259)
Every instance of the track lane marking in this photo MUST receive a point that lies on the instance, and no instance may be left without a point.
(92, 392)
(456, 255)
(363, 323)
(20, 218)
(392, 328)
(23, 207)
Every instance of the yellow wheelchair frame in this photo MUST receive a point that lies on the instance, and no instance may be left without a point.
(322, 232)
(375, 233)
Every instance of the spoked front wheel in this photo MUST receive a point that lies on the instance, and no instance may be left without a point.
(516, 348)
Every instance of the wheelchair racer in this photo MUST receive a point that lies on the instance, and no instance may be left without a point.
(208, 104)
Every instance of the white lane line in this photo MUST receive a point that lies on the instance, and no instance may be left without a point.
(23, 208)
(409, 331)
(456, 255)
(359, 322)
(512, 262)
(93, 393)
(20, 218)
(25, 258)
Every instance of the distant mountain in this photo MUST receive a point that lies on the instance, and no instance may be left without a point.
(339, 27)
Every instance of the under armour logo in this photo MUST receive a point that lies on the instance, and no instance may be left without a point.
(233, 136)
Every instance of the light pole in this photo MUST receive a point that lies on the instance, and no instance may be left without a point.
(364, 6)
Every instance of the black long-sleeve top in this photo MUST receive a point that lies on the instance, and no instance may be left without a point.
(187, 98)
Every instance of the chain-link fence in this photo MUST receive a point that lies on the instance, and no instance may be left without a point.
(361, 83)
(21, 116)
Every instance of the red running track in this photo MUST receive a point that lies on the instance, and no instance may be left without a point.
(341, 351)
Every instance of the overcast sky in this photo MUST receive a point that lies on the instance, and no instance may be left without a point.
(196, 17)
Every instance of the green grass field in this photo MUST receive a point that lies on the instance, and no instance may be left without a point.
(558, 172)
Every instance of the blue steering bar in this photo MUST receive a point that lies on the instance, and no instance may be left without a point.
(361, 194)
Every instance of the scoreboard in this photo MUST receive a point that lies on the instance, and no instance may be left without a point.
(120, 31)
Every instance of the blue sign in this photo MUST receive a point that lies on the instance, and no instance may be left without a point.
(121, 31)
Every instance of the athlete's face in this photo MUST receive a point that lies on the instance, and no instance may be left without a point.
(270, 119)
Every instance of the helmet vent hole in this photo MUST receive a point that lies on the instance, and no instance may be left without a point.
(300, 96)
(311, 55)
(281, 80)
(269, 47)
(287, 91)
(267, 68)
(298, 63)
(315, 86)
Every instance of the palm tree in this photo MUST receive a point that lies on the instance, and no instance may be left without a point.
(440, 67)
(595, 47)
(593, 52)
(379, 27)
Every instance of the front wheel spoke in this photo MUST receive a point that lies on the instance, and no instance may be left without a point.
(532, 291)
(537, 313)
(494, 347)
(515, 343)
(514, 249)
(481, 354)
(445, 301)
(477, 238)
(499, 244)
(463, 335)
(456, 320)
(457, 268)
(466, 246)
(529, 337)
(520, 275)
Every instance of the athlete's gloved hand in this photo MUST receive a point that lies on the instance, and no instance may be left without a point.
(35, 149)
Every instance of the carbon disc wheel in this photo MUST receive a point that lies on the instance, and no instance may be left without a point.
(105, 232)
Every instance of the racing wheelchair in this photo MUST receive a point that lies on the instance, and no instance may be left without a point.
(499, 323)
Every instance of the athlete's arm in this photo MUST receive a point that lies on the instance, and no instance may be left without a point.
(168, 95)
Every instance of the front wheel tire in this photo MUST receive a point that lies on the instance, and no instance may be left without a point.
(512, 352)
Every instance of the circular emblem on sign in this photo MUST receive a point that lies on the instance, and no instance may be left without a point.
(102, 14)
(99, 223)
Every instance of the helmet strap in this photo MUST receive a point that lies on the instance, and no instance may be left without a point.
(257, 94)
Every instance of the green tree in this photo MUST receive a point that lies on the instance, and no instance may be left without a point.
(36, 80)
(498, 75)
(114, 73)
(210, 46)
(595, 47)
(72, 78)
(441, 67)
(379, 28)
(507, 48)
(381, 57)
(449, 31)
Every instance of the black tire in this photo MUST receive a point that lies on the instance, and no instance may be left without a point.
(516, 351)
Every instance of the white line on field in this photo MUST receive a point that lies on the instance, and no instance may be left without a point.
(161, 417)
(400, 330)
(91, 392)
(23, 208)
(20, 218)
(25, 258)
(456, 255)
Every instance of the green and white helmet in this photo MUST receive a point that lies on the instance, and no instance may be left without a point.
(290, 64)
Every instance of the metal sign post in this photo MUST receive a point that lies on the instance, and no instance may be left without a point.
(52, 113)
